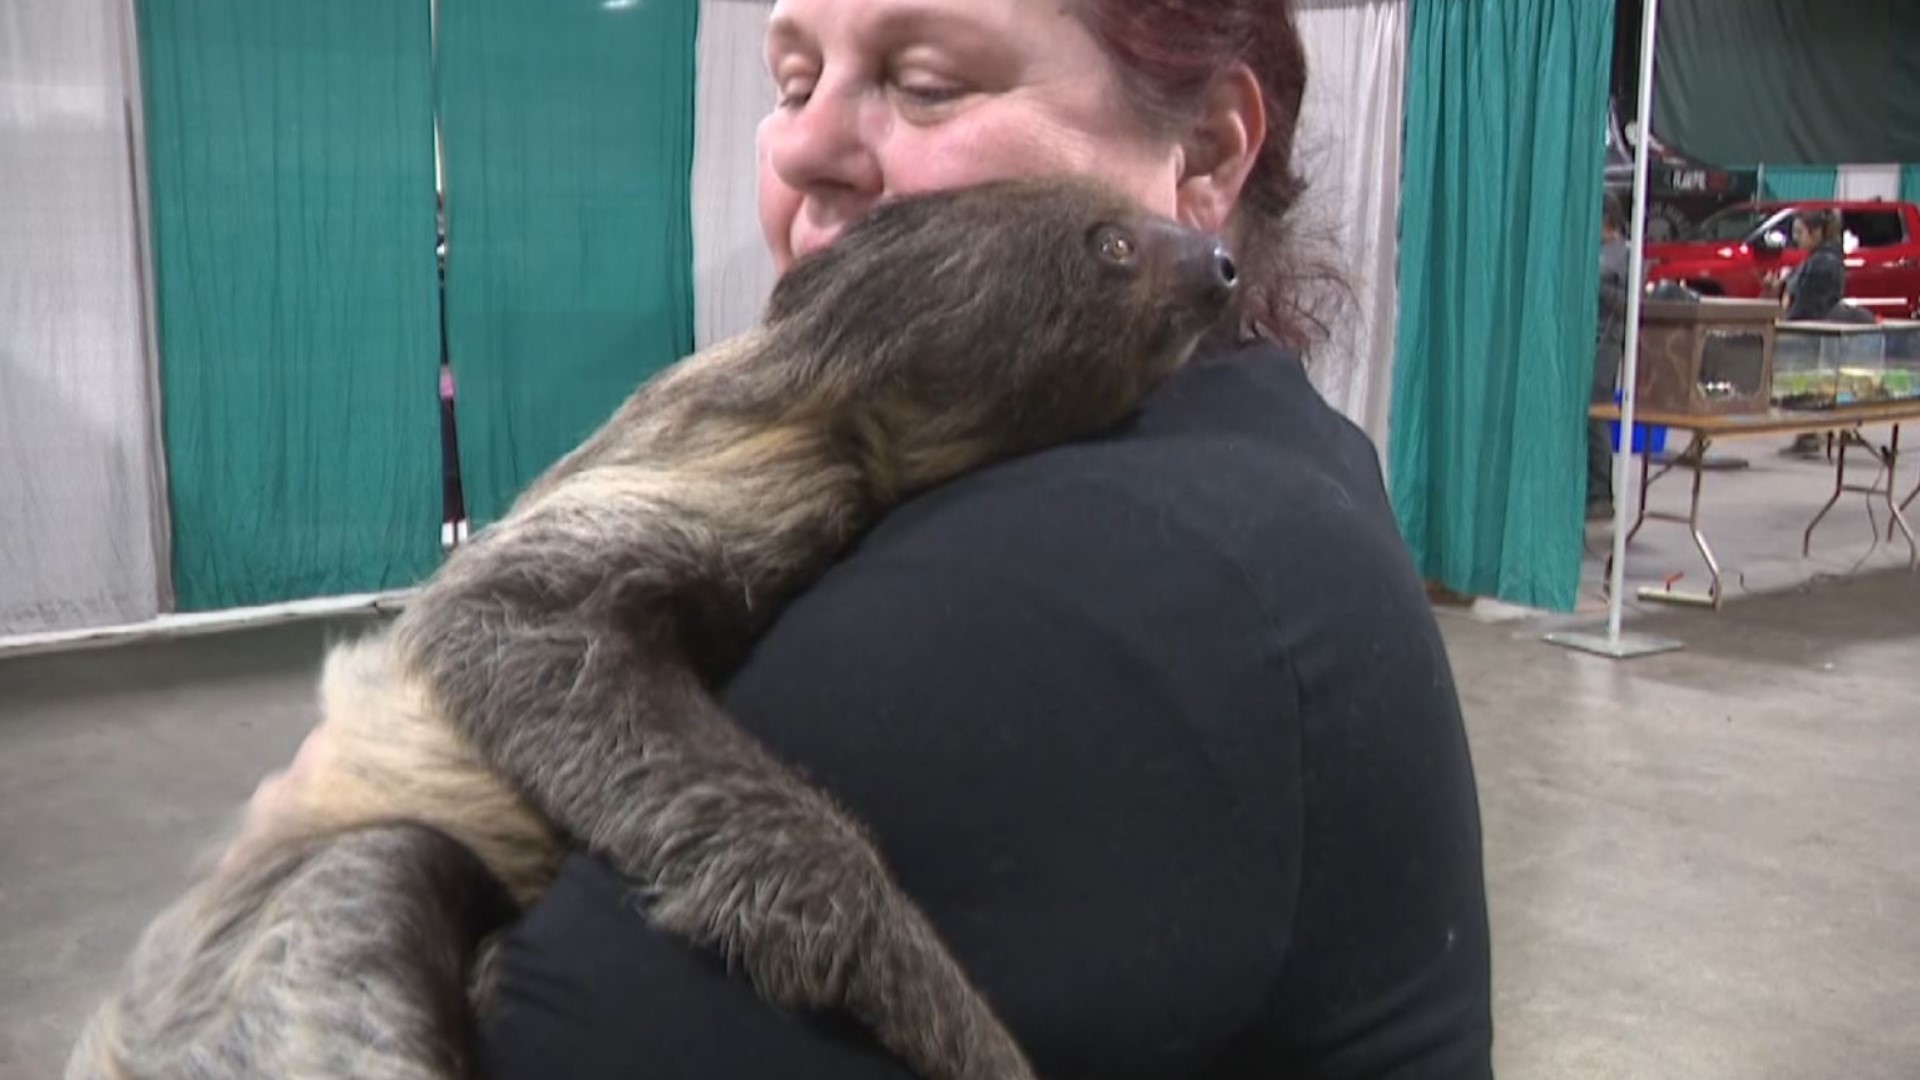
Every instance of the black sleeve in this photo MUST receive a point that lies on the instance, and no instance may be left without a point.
(1613, 295)
(1092, 790)
(1818, 287)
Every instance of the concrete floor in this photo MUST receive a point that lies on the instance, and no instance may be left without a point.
(1706, 864)
(1703, 865)
(117, 768)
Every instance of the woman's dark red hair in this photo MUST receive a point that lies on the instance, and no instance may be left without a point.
(1170, 52)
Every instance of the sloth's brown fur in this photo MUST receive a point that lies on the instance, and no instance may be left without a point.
(551, 684)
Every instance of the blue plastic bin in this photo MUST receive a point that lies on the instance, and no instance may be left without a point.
(1647, 438)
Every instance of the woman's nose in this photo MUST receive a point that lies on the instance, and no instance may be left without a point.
(821, 145)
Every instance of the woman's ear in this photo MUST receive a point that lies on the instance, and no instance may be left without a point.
(1220, 150)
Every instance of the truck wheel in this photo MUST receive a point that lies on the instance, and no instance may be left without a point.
(1666, 222)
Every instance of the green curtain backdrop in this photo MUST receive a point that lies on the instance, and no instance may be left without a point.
(291, 163)
(568, 131)
(1800, 181)
(1802, 82)
(1910, 183)
(1499, 276)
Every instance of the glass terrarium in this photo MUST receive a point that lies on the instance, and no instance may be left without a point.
(1902, 379)
(1806, 367)
(1820, 365)
(1863, 367)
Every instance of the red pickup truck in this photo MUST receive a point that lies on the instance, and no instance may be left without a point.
(1737, 250)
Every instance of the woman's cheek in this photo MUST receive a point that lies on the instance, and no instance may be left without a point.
(779, 206)
(931, 159)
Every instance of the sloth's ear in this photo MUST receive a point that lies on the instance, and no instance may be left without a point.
(1220, 149)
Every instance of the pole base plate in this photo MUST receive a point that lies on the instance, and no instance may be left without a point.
(1628, 647)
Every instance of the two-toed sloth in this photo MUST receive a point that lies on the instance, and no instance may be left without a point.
(553, 683)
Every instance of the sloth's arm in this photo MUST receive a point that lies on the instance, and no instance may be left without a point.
(344, 955)
(558, 647)
(593, 987)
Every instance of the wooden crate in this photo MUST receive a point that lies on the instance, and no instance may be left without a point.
(1710, 358)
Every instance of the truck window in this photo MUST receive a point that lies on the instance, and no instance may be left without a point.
(1735, 224)
(1874, 228)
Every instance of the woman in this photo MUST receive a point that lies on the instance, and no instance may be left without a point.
(1813, 290)
(1158, 728)
(1610, 341)
(1816, 286)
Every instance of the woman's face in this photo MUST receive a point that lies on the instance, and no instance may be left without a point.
(1802, 236)
(879, 98)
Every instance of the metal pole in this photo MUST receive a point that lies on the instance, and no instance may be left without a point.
(1611, 644)
(1630, 363)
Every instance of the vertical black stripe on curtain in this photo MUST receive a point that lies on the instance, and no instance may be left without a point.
(291, 165)
(1499, 282)
(568, 129)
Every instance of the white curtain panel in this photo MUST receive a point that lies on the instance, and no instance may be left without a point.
(1867, 182)
(1349, 150)
(81, 509)
(732, 274)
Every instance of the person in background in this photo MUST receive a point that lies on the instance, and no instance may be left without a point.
(1609, 345)
(1814, 289)
(1816, 286)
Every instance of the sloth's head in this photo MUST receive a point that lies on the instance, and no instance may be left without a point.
(1010, 314)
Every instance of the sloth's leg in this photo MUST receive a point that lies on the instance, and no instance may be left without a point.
(346, 954)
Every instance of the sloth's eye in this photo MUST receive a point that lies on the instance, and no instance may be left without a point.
(1115, 246)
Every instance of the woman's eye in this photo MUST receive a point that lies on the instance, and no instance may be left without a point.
(932, 93)
(924, 95)
(793, 84)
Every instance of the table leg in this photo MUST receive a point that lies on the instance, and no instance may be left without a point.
(1640, 507)
(1695, 461)
(1839, 488)
(1696, 449)
(1911, 495)
(1639, 512)
(1693, 525)
(1899, 518)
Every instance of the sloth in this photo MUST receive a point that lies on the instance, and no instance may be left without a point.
(553, 685)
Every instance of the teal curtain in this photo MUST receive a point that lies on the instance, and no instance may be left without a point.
(1799, 181)
(568, 133)
(1910, 183)
(1499, 275)
(291, 164)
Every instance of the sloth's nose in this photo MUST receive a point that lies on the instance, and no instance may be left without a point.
(1220, 270)
(1207, 268)
(1197, 264)
(1225, 274)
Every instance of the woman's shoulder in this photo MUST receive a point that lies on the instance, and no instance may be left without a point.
(1139, 578)
(1190, 577)
(1236, 458)
(1236, 484)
